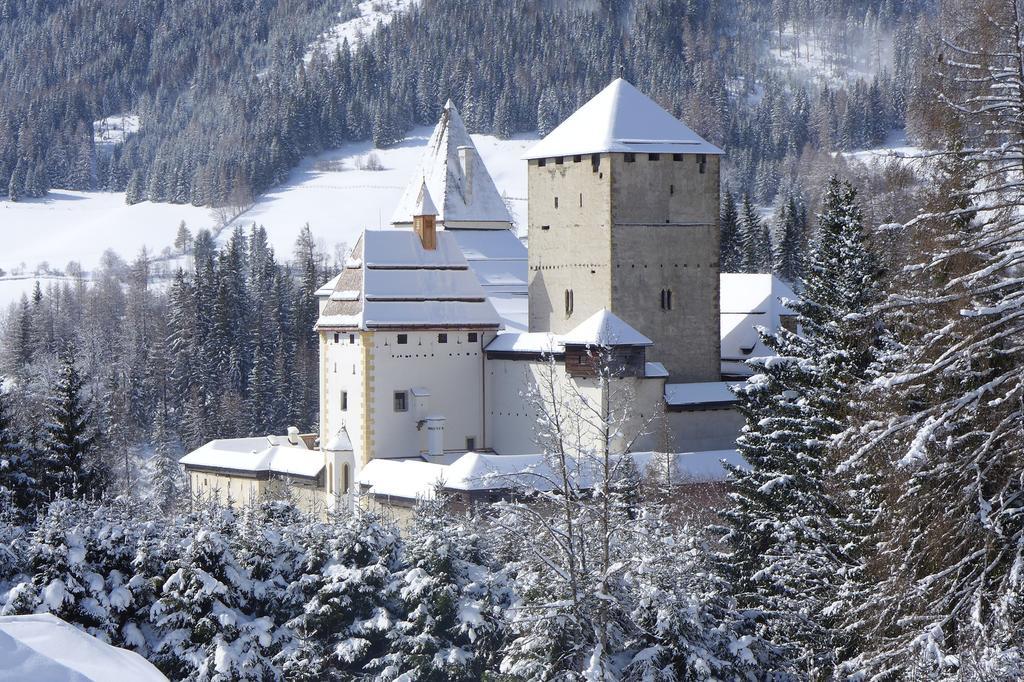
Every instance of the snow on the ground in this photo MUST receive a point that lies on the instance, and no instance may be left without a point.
(44, 648)
(69, 226)
(328, 191)
(371, 13)
(112, 130)
(895, 145)
(806, 58)
(339, 201)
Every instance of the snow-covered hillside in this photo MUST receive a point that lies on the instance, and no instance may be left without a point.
(328, 191)
(372, 13)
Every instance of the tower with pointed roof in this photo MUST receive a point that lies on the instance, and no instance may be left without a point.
(456, 178)
(623, 215)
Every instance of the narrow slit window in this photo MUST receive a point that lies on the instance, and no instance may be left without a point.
(581, 199)
(595, 162)
(556, 202)
(344, 401)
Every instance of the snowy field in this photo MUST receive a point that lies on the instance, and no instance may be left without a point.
(328, 191)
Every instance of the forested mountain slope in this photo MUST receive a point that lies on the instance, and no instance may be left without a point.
(228, 105)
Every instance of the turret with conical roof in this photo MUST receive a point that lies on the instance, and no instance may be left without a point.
(457, 179)
(623, 215)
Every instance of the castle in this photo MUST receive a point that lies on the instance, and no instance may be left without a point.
(438, 327)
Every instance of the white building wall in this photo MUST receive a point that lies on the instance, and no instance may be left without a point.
(512, 417)
(451, 372)
(342, 369)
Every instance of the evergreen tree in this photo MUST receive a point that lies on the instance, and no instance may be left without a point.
(166, 480)
(452, 597)
(731, 257)
(755, 242)
(70, 465)
(789, 520)
(18, 491)
(789, 228)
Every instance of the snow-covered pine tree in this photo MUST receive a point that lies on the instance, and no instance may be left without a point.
(166, 478)
(789, 230)
(349, 607)
(730, 255)
(19, 493)
(755, 242)
(70, 465)
(789, 532)
(452, 597)
(950, 431)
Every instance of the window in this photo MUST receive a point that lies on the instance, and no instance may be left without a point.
(595, 162)
(351, 338)
(401, 401)
(542, 162)
(577, 158)
(442, 338)
(545, 227)
(330, 478)
(472, 337)
(559, 160)
(581, 199)
(677, 157)
(556, 202)
(470, 443)
(336, 337)
(344, 479)
(671, 190)
(666, 299)
(403, 338)
(568, 302)
(654, 157)
(629, 157)
(344, 400)
(702, 160)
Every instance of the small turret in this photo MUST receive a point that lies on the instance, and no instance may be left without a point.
(423, 219)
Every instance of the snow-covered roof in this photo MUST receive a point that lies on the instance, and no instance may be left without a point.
(526, 342)
(655, 370)
(513, 309)
(424, 204)
(457, 180)
(340, 442)
(414, 478)
(43, 648)
(271, 454)
(620, 118)
(328, 288)
(748, 301)
(391, 281)
(703, 394)
(605, 328)
(500, 262)
(754, 293)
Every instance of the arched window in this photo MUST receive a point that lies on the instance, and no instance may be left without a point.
(666, 299)
(568, 302)
(344, 479)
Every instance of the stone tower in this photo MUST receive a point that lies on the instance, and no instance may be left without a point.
(623, 215)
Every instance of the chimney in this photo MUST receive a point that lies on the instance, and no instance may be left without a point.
(293, 435)
(466, 161)
(435, 435)
(423, 219)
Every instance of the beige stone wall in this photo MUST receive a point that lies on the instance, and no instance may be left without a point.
(575, 251)
(704, 429)
(644, 226)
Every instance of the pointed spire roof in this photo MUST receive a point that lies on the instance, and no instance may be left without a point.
(456, 178)
(620, 118)
(605, 328)
(424, 204)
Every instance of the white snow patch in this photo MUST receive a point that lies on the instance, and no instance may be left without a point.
(371, 14)
(112, 130)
